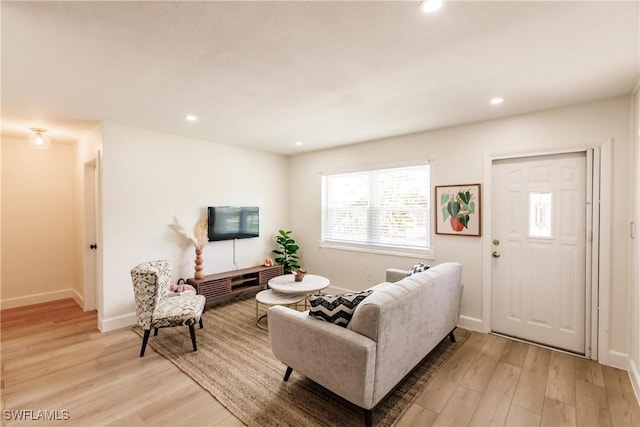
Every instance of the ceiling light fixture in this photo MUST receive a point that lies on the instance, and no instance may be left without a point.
(496, 101)
(38, 139)
(430, 6)
(191, 118)
(298, 143)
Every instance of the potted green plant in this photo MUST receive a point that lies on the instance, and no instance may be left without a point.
(457, 207)
(287, 250)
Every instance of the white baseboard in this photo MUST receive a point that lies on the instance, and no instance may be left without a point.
(40, 298)
(113, 323)
(79, 299)
(616, 360)
(634, 376)
(472, 323)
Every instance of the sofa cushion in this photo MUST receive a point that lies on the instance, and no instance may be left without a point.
(418, 268)
(337, 309)
(366, 318)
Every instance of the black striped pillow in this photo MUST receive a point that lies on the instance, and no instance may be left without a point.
(418, 268)
(337, 309)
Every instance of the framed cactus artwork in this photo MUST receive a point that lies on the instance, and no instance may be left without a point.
(458, 209)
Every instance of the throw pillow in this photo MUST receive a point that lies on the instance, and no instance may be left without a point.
(418, 268)
(337, 309)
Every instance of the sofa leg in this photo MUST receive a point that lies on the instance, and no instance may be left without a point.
(200, 323)
(451, 336)
(288, 373)
(368, 418)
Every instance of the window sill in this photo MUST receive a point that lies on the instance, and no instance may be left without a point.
(428, 254)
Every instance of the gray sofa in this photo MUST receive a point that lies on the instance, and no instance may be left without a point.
(390, 332)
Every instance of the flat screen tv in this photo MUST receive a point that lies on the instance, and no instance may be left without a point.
(233, 222)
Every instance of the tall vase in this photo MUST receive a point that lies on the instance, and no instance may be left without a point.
(199, 267)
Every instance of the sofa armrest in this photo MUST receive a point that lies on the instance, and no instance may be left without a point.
(337, 358)
(395, 274)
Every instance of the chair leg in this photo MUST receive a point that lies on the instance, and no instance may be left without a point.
(287, 374)
(145, 338)
(451, 336)
(200, 322)
(155, 332)
(192, 331)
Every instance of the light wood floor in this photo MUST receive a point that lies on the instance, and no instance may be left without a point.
(53, 358)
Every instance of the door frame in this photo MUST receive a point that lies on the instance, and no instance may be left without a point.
(599, 217)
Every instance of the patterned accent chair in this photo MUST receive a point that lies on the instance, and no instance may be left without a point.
(157, 308)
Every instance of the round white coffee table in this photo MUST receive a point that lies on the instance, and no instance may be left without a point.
(310, 283)
(286, 285)
(269, 297)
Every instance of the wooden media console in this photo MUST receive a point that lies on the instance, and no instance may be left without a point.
(221, 287)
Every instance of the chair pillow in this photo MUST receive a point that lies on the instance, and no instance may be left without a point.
(337, 309)
(418, 268)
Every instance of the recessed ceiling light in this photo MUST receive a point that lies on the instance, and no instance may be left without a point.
(496, 101)
(298, 143)
(430, 6)
(191, 117)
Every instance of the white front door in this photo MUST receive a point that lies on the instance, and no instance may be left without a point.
(539, 242)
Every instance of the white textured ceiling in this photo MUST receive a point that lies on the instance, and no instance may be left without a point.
(267, 74)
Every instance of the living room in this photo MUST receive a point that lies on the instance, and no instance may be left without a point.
(148, 177)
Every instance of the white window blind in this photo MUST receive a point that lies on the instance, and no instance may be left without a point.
(385, 209)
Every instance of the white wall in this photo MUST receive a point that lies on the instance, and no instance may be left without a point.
(149, 177)
(458, 154)
(38, 261)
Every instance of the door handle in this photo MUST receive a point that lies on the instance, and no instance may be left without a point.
(496, 254)
(93, 246)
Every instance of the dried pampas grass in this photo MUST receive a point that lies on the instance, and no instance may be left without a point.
(183, 231)
(198, 236)
(201, 232)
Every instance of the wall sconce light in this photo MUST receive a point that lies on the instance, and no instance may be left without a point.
(38, 139)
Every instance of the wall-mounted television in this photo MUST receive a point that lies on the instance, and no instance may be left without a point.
(233, 222)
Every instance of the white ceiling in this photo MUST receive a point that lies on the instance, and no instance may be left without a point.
(267, 74)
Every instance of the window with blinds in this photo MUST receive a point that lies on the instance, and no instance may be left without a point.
(384, 209)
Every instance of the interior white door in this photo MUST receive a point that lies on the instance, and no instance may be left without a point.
(90, 240)
(539, 239)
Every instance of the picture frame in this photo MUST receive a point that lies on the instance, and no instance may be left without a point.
(458, 209)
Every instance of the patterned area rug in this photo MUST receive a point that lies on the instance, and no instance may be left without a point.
(235, 364)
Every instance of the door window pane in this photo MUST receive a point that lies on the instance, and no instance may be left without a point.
(539, 214)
